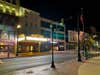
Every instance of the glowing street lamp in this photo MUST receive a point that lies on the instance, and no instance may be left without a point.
(17, 28)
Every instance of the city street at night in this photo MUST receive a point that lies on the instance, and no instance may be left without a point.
(14, 64)
(49, 37)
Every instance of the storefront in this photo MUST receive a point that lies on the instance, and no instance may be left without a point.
(27, 44)
(6, 48)
(7, 41)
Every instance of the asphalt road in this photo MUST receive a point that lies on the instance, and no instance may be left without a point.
(14, 64)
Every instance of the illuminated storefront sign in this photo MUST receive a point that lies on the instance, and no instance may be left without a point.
(6, 42)
(73, 36)
(32, 38)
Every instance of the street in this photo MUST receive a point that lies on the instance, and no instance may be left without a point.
(13, 64)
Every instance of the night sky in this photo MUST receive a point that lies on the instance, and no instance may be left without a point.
(57, 9)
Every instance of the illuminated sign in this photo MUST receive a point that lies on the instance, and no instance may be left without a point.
(73, 36)
(32, 38)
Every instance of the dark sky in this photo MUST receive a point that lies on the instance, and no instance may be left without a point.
(57, 9)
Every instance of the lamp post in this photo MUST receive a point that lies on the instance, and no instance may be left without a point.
(78, 28)
(52, 63)
(18, 27)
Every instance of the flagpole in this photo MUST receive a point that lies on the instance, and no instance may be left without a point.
(82, 22)
(78, 28)
(82, 18)
(85, 51)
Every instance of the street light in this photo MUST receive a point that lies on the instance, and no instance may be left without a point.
(52, 63)
(17, 28)
(79, 55)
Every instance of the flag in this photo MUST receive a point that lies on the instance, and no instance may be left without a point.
(81, 19)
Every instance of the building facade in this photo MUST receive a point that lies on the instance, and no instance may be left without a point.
(34, 33)
(58, 32)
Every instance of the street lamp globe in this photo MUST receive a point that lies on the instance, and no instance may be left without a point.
(18, 26)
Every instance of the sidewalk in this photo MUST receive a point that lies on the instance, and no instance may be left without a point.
(90, 67)
(6, 55)
(66, 68)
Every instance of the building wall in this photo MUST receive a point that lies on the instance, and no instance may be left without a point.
(30, 23)
(7, 39)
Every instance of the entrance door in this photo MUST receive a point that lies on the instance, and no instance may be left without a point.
(28, 47)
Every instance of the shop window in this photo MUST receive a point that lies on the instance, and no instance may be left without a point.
(45, 24)
(4, 35)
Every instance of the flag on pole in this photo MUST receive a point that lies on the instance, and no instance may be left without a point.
(81, 19)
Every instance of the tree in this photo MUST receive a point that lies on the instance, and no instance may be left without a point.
(92, 29)
(89, 41)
